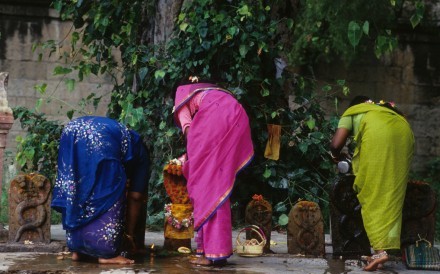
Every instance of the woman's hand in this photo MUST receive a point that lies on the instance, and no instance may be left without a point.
(183, 159)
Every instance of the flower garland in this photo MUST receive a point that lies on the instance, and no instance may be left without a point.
(185, 223)
(381, 103)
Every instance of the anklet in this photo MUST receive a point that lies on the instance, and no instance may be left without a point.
(379, 255)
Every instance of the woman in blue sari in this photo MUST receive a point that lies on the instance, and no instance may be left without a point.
(101, 186)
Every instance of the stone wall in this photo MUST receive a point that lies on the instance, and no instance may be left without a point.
(23, 23)
(410, 77)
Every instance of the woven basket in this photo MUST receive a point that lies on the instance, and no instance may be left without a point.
(253, 247)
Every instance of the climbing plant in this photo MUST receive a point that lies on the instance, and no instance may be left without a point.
(238, 43)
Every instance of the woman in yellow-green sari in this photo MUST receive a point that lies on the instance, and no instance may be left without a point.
(381, 163)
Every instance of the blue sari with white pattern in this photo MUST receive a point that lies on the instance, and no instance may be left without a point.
(90, 189)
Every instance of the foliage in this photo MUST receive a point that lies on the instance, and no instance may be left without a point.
(39, 149)
(324, 29)
(236, 43)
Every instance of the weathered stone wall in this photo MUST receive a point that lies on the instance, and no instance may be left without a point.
(23, 23)
(410, 77)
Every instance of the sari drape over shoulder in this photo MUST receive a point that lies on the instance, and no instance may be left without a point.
(381, 163)
(219, 145)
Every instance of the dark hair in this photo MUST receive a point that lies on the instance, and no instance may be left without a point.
(359, 100)
(389, 106)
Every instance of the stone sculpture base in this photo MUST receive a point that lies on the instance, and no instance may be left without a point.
(305, 230)
(259, 213)
(349, 238)
(29, 209)
(52, 247)
(418, 213)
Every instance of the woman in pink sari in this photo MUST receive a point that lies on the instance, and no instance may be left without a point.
(219, 145)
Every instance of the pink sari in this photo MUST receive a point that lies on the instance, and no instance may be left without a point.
(219, 145)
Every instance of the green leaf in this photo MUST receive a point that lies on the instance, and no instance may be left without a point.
(354, 33)
(159, 74)
(267, 173)
(70, 114)
(244, 10)
(366, 27)
(311, 123)
(265, 92)
(59, 70)
(303, 147)
(289, 23)
(280, 207)
(418, 14)
(345, 90)
(162, 125)
(41, 88)
(29, 153)
(283, 219)
(142, 73)
(38, 104)
(57, 5)
(243, 50)
(326, 88)
(183, 26)
(232, 30)
(70, 83)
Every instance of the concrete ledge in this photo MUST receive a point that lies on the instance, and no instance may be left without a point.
(52, 247)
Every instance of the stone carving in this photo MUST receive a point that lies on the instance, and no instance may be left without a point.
(259, 212)
(418, 213)
(29, 208)
(305, 230)
(4, 108)
(347, 228)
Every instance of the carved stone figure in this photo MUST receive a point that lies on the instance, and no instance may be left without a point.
(418, 213)
(305, 230)
(349, 238)
(259, 212)
(29, 209)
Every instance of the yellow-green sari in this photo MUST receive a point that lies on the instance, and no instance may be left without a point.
(381, 163)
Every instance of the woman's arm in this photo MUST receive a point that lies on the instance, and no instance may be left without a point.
(185, 119)
(338, 142)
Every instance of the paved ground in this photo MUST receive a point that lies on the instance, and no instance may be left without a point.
(280, 262)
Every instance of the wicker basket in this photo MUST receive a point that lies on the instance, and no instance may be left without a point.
(252, 247)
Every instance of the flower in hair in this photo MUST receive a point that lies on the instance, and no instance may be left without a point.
(194, 79)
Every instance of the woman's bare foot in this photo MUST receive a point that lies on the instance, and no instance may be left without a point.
(201, 260)
(376, 261)
(76, 256)
(369, 260)
(116, 260)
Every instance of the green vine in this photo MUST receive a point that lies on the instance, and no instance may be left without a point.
(235, 43)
